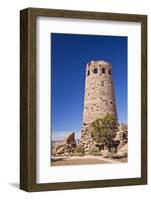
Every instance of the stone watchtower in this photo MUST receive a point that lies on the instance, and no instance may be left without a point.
(99, 97)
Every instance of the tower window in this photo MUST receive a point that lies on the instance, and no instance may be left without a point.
(109, 72)
(103, 70)
(88, 73)
(95, 71)
(102, 83)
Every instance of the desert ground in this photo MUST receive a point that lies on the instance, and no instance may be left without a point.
(84, 160)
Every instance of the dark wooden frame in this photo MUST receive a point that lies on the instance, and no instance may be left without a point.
(28, 98)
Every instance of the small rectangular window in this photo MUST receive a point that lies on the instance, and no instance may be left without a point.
(103, 70)
(95, 71)
(88, 73)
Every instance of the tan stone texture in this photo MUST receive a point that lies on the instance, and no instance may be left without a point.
(99, 97)
(99, 92)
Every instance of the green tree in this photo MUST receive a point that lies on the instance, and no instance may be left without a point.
(104, 130)
(79, 151)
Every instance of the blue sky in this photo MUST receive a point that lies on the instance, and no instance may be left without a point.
(69, 55)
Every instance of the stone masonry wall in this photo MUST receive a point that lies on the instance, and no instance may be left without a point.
(99, 96)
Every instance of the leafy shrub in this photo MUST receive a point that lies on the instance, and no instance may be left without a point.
(94, 151)
(79, 151)
(104, 129)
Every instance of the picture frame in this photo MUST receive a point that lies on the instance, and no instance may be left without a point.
(28, 98)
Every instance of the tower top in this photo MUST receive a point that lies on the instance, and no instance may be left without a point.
(96, 63)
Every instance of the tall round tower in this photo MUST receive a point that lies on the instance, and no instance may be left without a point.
(99, 94)
(99, 91)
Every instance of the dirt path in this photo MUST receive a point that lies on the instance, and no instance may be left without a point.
(84, 160)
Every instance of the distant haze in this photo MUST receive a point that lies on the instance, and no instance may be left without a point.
(61, 135)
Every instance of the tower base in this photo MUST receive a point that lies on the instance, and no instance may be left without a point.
(86, 140)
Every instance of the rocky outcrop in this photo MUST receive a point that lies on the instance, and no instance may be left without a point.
(117, 148)
(122, 152)
(67, 147)
(105, 153)
(70, 139)
(122, 149)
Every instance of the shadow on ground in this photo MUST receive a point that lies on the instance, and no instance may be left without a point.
(16, 185)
